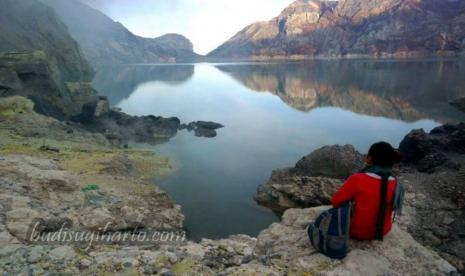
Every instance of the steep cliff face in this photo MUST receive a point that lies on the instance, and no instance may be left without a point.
(105, 41)
(393, 28)
(40, 60)
(28, 25)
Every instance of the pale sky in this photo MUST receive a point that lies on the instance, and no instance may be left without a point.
(207, 23)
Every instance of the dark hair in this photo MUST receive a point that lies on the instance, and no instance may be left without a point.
(383, 154)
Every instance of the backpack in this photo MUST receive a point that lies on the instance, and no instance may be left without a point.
(330, 232)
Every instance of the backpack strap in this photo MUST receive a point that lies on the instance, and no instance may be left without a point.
(398, 200)
(382, 207)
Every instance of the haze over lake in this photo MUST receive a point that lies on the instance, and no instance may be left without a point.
(274, 114)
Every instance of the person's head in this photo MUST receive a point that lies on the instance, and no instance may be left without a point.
(382, 154)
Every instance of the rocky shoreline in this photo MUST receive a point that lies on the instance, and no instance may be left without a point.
(85, 183)
(432, 170)
(63, 91)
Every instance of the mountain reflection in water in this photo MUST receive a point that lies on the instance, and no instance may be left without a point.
(408, 91)
(119, 81)
(273, 115)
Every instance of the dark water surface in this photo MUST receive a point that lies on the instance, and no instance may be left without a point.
(274, 114)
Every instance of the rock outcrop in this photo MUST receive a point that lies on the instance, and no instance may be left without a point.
(432, 172)
(105, 41)
(353, 28)
(442, 147)
(120, 127)
(331, 161)
(203, 129)
(313, 180)
(88, 185)
(281, 249)
(459, 104)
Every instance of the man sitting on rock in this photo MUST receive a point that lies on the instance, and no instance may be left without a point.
(375, 184)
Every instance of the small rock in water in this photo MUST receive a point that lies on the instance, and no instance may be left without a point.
(205, 132)
(203, 128)
(208, 125)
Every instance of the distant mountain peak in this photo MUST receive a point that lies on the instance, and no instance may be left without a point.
(176, 41)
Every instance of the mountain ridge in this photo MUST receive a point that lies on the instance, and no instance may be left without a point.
(105, 41)
(353, 28)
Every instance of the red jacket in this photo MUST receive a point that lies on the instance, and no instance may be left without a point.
(364, 189)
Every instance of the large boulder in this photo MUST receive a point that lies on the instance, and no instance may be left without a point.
(437, 149)
(100, 220)
(415, 146)
(20, 221)
(286, 245)
(285, 190)
(331, 161)
(313, 180)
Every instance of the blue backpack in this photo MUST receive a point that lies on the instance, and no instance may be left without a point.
(330, 233)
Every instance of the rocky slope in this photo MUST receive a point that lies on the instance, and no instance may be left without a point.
(380, 28)
(105, 41)
(432, 171)
(48, 164)
(40, 60)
